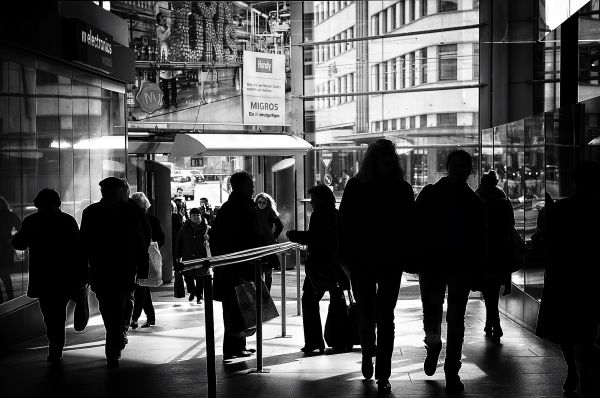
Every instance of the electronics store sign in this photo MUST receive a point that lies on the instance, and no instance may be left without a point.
(264, 89)
(93, 47)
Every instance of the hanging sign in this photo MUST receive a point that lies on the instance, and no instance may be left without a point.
(326, 158)
(91, 46)
(264, 89)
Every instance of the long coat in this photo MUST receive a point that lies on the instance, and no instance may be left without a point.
(56, 264)
(190, 244)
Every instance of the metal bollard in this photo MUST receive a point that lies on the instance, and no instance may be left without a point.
(283, 264)
(298, 291)
(259, 337)
(209, 321)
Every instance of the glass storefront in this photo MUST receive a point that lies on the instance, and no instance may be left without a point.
(60, 128)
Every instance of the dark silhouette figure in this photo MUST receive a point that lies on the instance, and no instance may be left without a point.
(235, 228)
(451, 231)
(320, 265)
(142, 294)
(206, 211)
(8, 221)
(268, 218)
(176, 224)
(570, 310)
(500, 253)
(56, 267)
(191, 241)
(373, 247)
(115, 235)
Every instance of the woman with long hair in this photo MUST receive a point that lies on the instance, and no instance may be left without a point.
(270, 227)
(373, 247)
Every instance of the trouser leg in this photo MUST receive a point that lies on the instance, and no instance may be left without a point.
(199, 290)
(127, 312)
(139, 296)
(173, 90)
(311, 316)
(365, 293)
(165, 90)
(149, 306)
(268, 272)
(388, 288)
(112, 309)
(54, 311)
(458, 296)
(231, 343)
(433, 290)
(189, 282)
(491, 296)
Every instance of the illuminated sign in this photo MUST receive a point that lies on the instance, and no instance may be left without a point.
(92, 46)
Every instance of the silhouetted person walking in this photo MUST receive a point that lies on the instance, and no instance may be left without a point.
(56, 267)
(270, 227)
(570, 307)
(374, 247)
(8, 221)
(191, 241)
(321, 240)
(235, 228)
(142, 294)
(115, 236)
(451, 232)
(500, 253)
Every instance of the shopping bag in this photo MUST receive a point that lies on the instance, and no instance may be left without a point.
(154, 278)
(337, 324)
(246, 300)
(178, 286)
(81, 316)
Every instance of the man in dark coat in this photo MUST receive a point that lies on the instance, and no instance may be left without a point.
(56, 268)
(235, 228)
(115, 237)
(190, 245)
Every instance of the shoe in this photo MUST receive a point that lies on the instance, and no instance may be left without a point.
(250, 350)
(309, 348)
(497, 333)
(124, 342)
(134, 325)
(112, 363)
(571, 382)
(199, 301)
(488, 330)
(367, 366)
(166, 106)
(453, 384)
(191, 298)
(431, 361)
(383, 386)
(148, 324)
(53, 358)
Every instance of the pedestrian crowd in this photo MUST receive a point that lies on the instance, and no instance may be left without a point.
(457, 240)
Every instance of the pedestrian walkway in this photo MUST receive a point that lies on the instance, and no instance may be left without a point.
(169, 360)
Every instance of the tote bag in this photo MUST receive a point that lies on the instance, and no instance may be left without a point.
(154, 278)
(245, 324)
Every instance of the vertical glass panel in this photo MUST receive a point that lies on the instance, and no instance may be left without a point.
(65, 145)
(81, 155)
(48, 136)
(95, 143)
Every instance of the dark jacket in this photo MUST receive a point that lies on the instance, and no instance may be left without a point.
(157, 232)
(115, 241)
(56, 264)
(235, 228)
(375, 223)
(500, 223)
(190, 241)
(267, 219)
(450, 229)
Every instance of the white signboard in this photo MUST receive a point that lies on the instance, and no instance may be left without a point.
(264, 89)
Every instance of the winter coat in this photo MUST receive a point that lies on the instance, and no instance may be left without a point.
(191, 243)
(570, 306)
(157, 233)
(267, 219)
(375, 224)
(115, 240)
(56, 263)
(450, 229)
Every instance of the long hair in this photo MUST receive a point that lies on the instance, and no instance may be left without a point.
(369, 170)
(325, 194)
(270, 201)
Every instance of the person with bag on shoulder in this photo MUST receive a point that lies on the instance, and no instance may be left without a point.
(191, 244)
(234, 229)
(376, 249)
(270, 227)
(320, 266)
(499, 254)
(142, 294)
(57, 270)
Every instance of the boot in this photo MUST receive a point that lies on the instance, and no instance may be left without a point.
(431, 361)
(453, 384)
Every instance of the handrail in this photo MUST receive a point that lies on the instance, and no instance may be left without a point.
(249, 255)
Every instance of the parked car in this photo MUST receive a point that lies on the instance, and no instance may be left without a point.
(198, 176)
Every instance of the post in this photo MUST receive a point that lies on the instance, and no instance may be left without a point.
(283, 263)
(259, 337)
(209, 325)
(298, 292)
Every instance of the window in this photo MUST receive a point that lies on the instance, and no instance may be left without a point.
(423, 66)
(447, 62)
(447, 5)
(391, 67)
(413, 122)
(475, 4)
(350, 78)
(318, 13)
(392, 11)
(377, 126)
(375, 25)
(385, 75)
(412, 69)
(338, 46)
(401, 70)
(423, 8)
(411, 11)
(394, 124)
(423, 121)
(375, 75)
(401, 13)
(476, 61)
(402, 123)
(446, 119)
(382, 76)
(386, 125)
(344, 44)
(383, 21)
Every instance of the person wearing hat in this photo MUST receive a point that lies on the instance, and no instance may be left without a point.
(56, 268)
(115, 240)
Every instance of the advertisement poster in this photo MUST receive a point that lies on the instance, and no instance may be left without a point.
(264, 89)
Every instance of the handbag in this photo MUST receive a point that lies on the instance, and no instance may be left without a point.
(337, 324)
(246, 300)
(154, 278)
(81, 315)
(178, 286)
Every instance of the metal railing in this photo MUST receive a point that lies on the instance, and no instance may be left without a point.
(251, 256)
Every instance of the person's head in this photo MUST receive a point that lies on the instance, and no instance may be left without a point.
(242, 182)
(321, 197)
(161, 19)
(459, 165)
(4, 206)
(179, 191)
(264, 200)
(112, 189)
(195, 215)
(489, 179)
(47, 200)
(141, 200)
(204, 201)
(586, 177)
(381, 162)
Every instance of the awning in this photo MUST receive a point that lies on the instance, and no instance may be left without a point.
(239, 145)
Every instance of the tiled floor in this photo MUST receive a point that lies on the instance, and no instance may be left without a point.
(169, 360)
